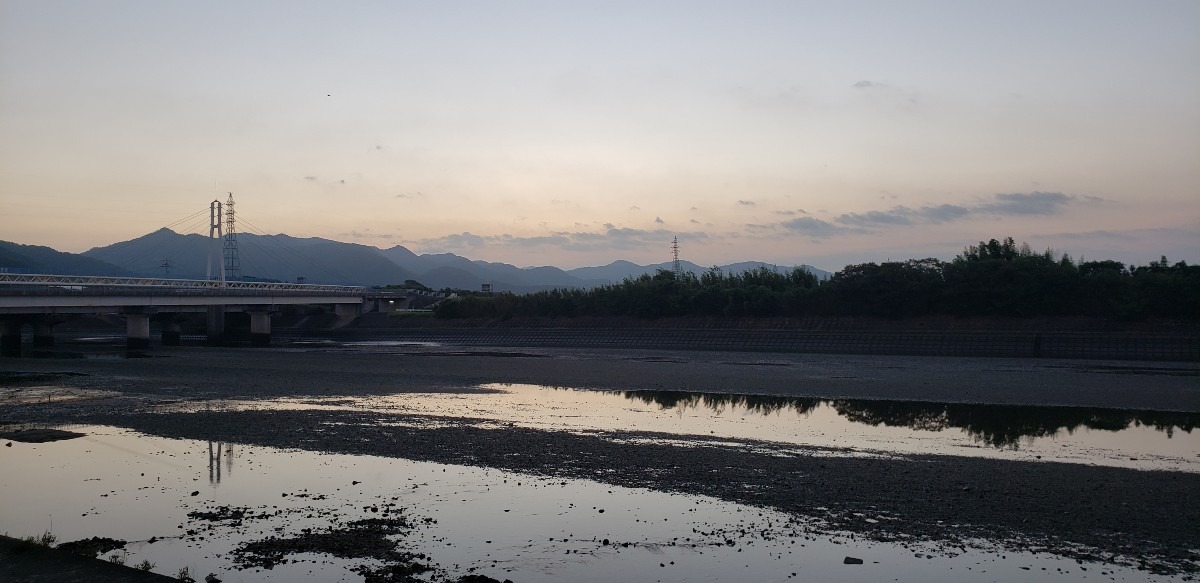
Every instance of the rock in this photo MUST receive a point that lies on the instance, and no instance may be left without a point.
(211, 578)
(196, 493)
(852, 561)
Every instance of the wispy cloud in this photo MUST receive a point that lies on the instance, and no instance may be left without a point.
(813, 227)
(746, 202)
(1032, 203)
(611, 238)
(1003, 204)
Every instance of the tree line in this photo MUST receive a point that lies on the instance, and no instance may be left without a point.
(993, 278)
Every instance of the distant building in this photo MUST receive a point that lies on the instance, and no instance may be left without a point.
(487, 288)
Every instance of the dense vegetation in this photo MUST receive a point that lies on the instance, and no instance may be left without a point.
(996, 278)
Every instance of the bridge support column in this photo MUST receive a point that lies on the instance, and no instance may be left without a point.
(43, 334)
(137, 335)
(170, 333)
(347, 310)
(260, 328)
(216, 325)
(10, 337)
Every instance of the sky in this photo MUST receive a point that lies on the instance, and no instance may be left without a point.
(578, 133)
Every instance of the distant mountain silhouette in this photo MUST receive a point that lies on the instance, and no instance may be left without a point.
(440, 270)
(165, 253)
(38, 259)
(280, 257)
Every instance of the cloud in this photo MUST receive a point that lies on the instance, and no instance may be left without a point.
(311, 178)
(366, 234)
(659, 221)
(409, 195)
(609, 239)
(635, 208)
(897, 216)
(865, 84)
(1032, 203)
(746, 202)
(813, 227)
(943, 213)
(786, 213)
(1003, 204)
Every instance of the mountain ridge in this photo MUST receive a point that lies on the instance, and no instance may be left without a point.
(165, 253)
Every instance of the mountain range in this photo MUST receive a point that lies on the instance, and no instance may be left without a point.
(165, 253)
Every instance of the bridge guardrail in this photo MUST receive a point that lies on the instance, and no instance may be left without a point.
(65, 284)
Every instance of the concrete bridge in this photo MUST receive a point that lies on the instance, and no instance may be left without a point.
(42, 300)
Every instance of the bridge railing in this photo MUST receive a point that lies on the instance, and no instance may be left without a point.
(18, 281)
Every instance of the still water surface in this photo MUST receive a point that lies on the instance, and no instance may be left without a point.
(1109, 437)
(121, 484)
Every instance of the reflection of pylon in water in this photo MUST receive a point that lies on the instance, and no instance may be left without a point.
(676, 267)
(214, 464)
(233, 263)
(214, 461)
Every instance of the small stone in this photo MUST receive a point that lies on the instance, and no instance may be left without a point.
(852, 561)
(196, 493)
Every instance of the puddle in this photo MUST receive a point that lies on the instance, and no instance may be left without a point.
(194, 504)
(1132, 439)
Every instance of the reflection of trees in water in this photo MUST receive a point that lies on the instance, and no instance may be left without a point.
(1000, 426)
(764, 404)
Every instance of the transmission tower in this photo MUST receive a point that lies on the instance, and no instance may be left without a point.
(233, 263)
(166, 266)
(676, 267)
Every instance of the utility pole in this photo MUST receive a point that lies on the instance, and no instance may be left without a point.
(166, 266)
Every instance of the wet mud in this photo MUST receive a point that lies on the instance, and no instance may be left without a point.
(1136, 518)
(1110, 515)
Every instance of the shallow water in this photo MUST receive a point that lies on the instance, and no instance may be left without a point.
(1133, 439)
(121, 484)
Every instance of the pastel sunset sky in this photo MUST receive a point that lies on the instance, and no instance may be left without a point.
(577, 133)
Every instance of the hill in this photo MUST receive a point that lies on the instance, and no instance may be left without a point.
(38, 259)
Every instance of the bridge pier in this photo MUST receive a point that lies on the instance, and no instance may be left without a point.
(10, 337)
(137, 336)
(260, 328)
(216, 325)
(43, 333)
(348, 310)
(170, 333)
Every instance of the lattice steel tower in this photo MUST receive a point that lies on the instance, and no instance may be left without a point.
(233, 263)
(676, 267)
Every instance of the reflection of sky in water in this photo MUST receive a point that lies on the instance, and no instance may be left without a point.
(120, 484)
(1138, 439)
